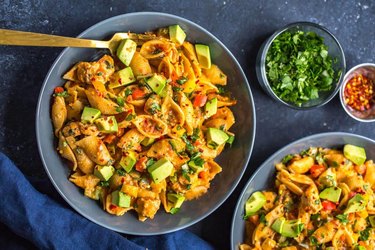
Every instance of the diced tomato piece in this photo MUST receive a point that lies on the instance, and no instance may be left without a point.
(138, 93)
(317, 170)
(202, 175)
(328, 205)
(59, 90)
(254, 219)
(140, 166)
(200, 100)
(352, 194)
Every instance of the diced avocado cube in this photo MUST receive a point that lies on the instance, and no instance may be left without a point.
(372, 220)
(278, 225)
(89, 115)
(195, 167)
(126, 50)
(355, 204)
(292, 228)
(210, 108)
(176, 199)
(127, 162)
(204, 56)
(355, 154)
(107, 124)
(156, 83)
(160, 170)
(104, 172)
(147, 141)
(120, 199)
(176, 34)
(122, 78)
(254, 203)
(331, 194)
(216, 137)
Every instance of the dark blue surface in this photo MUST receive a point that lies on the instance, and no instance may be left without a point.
(241, 25)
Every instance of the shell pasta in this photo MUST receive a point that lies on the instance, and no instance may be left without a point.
(142, 128)
(324, 199)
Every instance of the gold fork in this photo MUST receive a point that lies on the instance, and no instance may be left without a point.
(22, 38)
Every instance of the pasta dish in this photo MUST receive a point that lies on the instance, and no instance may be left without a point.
(324, 199)
(141, 128)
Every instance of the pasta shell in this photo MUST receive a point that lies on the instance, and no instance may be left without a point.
(74, 110)
(83, 161)
(106, 106)
(66, 152)
(215, 75)
(147, 207)
(189, 52)
(164, 148)
(326, 232)
(140, 65)
(166, 68)
(172, 112)
(95, 150)
(188, 110)
(223, 118)
(154, 49)
(84, 181)
(190, 84)
(59, 113)
(131, 140)
(153, 105)
(149, 126)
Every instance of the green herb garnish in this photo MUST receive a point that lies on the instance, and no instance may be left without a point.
(298, 67)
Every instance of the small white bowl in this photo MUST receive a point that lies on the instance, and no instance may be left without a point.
(367, 70)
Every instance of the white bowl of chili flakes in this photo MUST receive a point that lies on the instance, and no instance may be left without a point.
(357, 93)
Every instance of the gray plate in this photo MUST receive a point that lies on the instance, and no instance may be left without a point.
(233, 160)
(264, 177)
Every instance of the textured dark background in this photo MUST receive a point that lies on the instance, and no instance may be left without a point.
(241, 25)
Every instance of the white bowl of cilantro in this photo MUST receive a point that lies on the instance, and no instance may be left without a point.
(301, 65)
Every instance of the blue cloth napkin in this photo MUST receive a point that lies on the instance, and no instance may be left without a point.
(49, 225)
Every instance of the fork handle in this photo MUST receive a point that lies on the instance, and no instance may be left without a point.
(22, 38)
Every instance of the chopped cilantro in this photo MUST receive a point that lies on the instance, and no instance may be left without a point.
(343, 218)
(176, 89)
(182, 80)
(298, 67)
(119, 109)
(120, 101)
(230, 140)
(189, 146)
(221, 90)
(364, 235)
(62, 94)
(128, 92)
(150, 162)
(120, 172)
(313, 241)
(262, 219)
(104, 184)
(286, 159)
(195, 136)
(185, 174)
(154, 108)
(130, 117)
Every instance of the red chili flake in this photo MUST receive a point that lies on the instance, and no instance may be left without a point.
(112, 206)
(359, 93)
